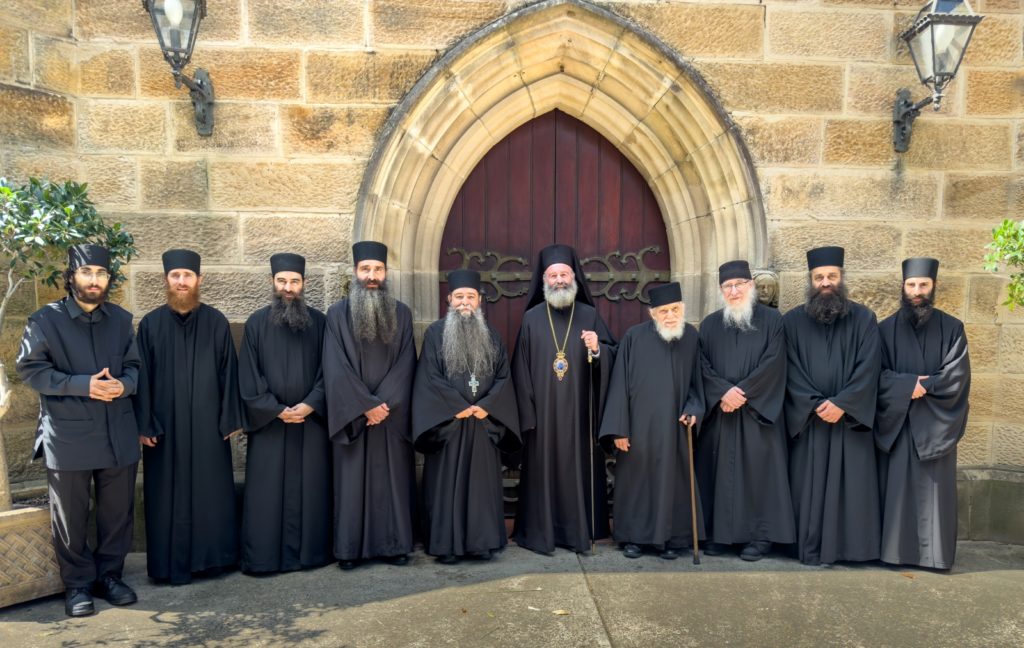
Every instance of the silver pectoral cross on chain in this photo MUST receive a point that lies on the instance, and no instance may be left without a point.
(473, 383)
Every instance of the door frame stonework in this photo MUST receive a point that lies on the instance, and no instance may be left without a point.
(596, 66)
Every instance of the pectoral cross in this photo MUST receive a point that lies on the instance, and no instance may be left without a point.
(473, 383)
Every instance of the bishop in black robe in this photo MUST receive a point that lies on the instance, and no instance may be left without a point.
(742, 452)
(831, 388)
(287, 509)
(369, 362)
(464, 415)
(655, 383)
(922, 413)
(187, 406)
(562, 489)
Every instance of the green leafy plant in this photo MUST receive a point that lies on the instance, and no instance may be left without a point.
(39, 221)
(1007, 249)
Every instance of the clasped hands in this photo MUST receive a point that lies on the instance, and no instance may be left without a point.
(733, 399)
(919, 390)
(104, 387)
(376, 415)
(295, 413)
(472, 410)
(829, 412)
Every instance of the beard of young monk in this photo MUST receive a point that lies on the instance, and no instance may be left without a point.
(183, 301)
(466, 344)
(289, 311)
(741, 316)
(560, 296)
(919, 310)
(373, 311)
(85, 291)
(826, 305)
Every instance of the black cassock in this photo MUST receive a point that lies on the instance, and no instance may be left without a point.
(832, 468)
(654, 382)
(557, 476)
(742, 455)
(917, 437)
(374, 466)
(286, 515)
(188, 397)
(462, 487)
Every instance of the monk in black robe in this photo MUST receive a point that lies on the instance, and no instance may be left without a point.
(463, 415)
(286, 515)
(922, 414)
(188, 408)
(741, 453)
(562, 490)
(656, 391)
(369, 361)
(831, 388)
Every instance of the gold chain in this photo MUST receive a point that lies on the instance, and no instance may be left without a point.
(561, 364)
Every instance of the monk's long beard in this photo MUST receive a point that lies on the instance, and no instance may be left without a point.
(742, 316)
(373, 312)
(670, 334)
(827, 307)
(560, 297)
(183, 302)
(466, 345)
(920, 313)
(292, 313)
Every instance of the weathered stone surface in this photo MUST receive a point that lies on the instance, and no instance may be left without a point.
(1008, 444)
(122, 127)
(995, 92)
(983, 342)
(702, 30)
(18, 167)
(105, 72)
(872, 90)
(782, 140)
(974, 448)
(319, 238)
(425, 23)
(104, 19)
(879, 292)
(858, 142)
(868, 247)
(328, 129)
(113, 180)
(14, 54)
(173, 184)
(815, 33)
(1009, 6)
(985, 395)
(851, 196)
(55, 67)
(261, 74)
(951, 145)
(996, 41)
(952, 295)
(961, 248)
(279, 185)
(1020, 147)
(310, 22)
(239, 129)
(35, 119)
(52, 17)
(984, 197)
(214, 236)
(1011, 356)
(984, 298)
(776, 87)
(346, 77)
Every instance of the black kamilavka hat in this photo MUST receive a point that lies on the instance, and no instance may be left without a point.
(287, 262)
(369, 251)
(733, 270)
(85, 254)
(832, 255)
(181, 260)
(463, 278)
(667, 294)
(921, 267)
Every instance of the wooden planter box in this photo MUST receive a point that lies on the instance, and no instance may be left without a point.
(28, 565)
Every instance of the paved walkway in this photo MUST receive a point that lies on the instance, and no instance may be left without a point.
(524, 600)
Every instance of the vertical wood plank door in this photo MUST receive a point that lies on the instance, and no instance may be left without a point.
(554, 180)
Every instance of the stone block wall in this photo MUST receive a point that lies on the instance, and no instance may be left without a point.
(303, 89)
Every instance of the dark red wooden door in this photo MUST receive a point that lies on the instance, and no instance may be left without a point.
(555, 180)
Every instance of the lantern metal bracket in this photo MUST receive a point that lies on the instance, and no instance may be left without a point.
(200, 89)
(904, 112)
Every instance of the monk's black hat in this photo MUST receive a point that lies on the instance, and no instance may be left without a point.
(831, 255)
(463, 278)
(667, 294)
(556, 253)
(733, 270)
(287, 262)
(181, 260)
(86, 254)
(921, 267)
(369, 251)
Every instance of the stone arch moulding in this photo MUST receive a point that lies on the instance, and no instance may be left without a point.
(596, 66)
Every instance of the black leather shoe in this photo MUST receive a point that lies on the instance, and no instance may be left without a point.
(78, 602)
(114, 590)
(670, 554)
(399, 560)
(755, 550)
(347, 564)
(450, 559)
(714, 548)
(630, 550)
(482, 555)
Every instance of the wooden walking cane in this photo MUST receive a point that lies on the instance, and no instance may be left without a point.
(693, 494)
(590, 414)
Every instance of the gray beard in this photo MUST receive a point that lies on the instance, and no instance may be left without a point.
(466, 345)
(741, 317)
(560, 297)
(294, 314)
(373, 312)
(670, 334)
(827, 308)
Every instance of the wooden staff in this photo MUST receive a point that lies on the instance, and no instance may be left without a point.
(693, 493)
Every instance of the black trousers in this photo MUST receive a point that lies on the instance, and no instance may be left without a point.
(79, 564)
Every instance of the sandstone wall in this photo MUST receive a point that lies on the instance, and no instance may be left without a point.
(303, 89)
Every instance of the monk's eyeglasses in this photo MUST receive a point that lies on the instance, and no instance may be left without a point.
(736, 285)
(89, 274)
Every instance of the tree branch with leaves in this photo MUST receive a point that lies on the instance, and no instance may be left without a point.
(1007, 250)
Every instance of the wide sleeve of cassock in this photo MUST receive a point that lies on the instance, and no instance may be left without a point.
(615, 422)
(260, 406)
(802, 396)
(522, 376)
(859, 396)
(715, 386)
(939, 418)
(435, 402)
(348, 396)
(142, 402)
(396, 387)
(604, 363)
(502, 422)
(227, 370)
(764, 387)
(693, 400)
(895, 389)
